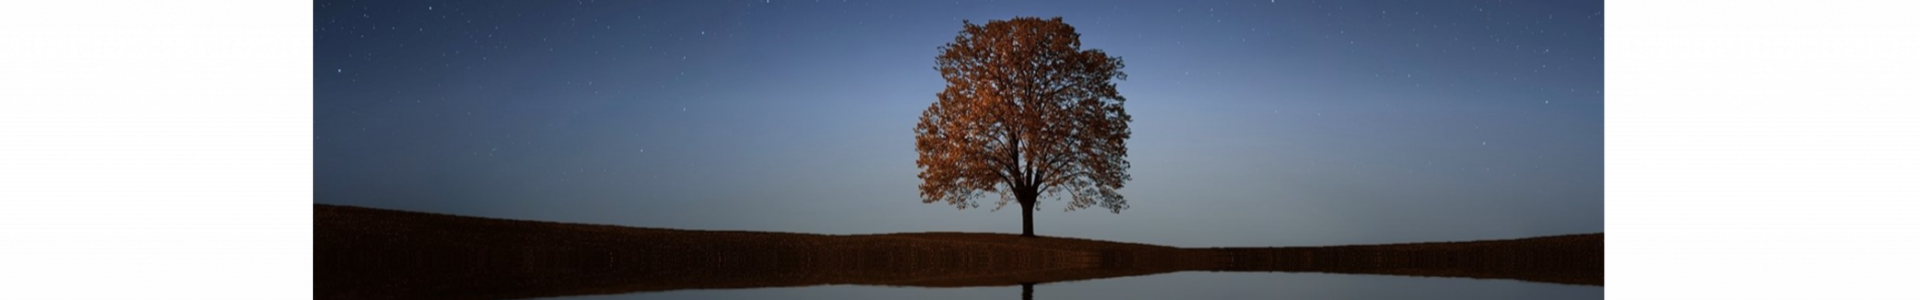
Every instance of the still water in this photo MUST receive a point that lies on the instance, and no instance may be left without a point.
(1179, 285)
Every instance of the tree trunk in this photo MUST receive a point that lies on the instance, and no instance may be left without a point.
(1026, 219)
(1026, 211)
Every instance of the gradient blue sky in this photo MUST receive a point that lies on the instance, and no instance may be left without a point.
(1256, 123)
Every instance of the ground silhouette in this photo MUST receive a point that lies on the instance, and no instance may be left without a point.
(366, 253)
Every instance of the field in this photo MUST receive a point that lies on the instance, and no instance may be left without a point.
(365, 253)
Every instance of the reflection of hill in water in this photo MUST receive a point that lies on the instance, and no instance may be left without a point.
(372, 253)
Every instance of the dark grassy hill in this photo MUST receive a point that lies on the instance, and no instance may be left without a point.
(365, 253)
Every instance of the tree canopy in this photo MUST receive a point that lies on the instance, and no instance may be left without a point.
(1026, 112)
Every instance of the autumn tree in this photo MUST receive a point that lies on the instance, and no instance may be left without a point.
(1026, 113)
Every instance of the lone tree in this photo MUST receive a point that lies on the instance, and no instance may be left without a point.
(1026, 112)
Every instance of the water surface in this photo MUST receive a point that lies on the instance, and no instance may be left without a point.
(1179, 285)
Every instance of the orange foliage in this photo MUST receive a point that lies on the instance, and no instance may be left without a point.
(1025, 112)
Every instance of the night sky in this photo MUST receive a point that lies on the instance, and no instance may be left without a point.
(1256, 123)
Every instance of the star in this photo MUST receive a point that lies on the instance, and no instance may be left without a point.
(339, 70)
